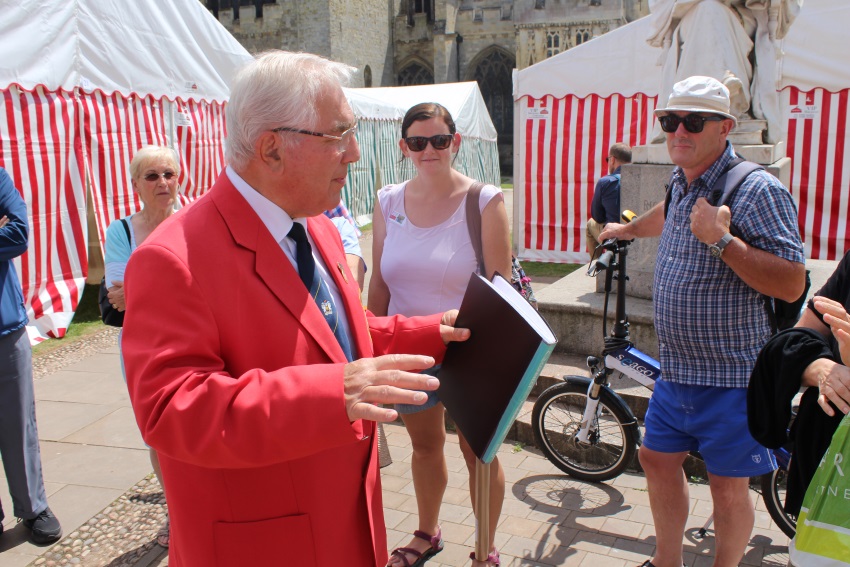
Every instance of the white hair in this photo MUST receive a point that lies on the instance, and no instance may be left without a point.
(147, 154)
(277, 89)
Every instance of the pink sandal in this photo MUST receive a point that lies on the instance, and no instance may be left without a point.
(436, 542)
(492, 559)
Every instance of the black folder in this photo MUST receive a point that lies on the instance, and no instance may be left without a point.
(485, 380)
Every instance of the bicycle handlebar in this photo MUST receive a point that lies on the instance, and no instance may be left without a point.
(604, 260)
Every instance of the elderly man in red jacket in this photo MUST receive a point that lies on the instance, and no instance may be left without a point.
(253, 369)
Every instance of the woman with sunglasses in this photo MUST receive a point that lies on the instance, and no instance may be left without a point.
(423, 257)
(153, 172)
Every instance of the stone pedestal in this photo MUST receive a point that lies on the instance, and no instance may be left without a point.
(643, 185)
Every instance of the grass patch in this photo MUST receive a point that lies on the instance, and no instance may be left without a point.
(547, 269)
(86, 322)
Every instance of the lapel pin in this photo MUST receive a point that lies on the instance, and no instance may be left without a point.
(342, 271)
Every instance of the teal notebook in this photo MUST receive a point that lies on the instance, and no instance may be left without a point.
(485, 380)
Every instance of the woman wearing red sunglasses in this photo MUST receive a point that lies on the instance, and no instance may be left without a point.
(422, 258)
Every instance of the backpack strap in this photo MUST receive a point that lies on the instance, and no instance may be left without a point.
(473, 222)
(668, 192)
(725, 186)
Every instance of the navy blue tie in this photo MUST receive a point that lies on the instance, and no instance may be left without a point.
(316, 285)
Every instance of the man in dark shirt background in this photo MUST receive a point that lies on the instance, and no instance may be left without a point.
(605, 207)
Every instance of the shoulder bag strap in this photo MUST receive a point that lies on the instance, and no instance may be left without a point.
(127, 230)
(473, 223)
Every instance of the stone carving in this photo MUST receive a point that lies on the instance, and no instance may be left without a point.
(717, 38)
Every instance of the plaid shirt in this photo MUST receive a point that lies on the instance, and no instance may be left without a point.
(710, 324)
(341, 211)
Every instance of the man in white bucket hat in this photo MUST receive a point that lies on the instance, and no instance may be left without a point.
(710, 323)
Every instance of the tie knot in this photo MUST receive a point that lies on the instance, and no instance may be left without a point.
(297, 233)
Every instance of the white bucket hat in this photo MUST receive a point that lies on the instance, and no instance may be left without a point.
(699, 94)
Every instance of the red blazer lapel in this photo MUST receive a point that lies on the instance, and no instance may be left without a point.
(327, 241)
(272, 266)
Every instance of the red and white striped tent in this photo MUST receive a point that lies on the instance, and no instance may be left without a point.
(570, 108)
(86, 83)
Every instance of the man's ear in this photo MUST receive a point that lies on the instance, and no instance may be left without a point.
(269, 148)
(726, 127)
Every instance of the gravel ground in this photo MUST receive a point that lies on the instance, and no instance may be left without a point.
(124, 533)
(57, 359)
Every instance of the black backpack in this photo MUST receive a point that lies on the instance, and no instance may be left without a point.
(780, 314)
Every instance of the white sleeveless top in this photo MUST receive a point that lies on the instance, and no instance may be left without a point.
(426, 269)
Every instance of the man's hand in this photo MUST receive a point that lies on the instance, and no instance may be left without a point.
(116, 296)
(450, 333)
(833, 381)
(4, 220)
(616, 230)
(385, 380)
(649, 224)
(838, 320)
(708, 223)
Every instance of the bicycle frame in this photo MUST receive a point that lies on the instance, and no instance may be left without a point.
(619, 353)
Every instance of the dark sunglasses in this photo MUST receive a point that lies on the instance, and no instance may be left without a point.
(694, 123)
(168, 176)
(438, 142)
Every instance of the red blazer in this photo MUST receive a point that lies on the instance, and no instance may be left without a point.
(236, 381)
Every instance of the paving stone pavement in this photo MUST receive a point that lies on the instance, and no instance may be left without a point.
(550, 519)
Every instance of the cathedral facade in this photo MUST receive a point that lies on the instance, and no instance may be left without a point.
(413, 42)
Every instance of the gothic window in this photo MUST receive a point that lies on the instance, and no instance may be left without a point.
(553, 43)
(367, 76)
(539, 4)
(582, 36)
(493, 73)
(415, 74)
(420, 7)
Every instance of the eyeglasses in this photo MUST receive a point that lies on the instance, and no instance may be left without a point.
(694, 123)
(343, 138)
(438, 142)
(153, 176)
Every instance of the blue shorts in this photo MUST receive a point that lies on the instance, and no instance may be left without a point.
(432, 400)
(710, 420)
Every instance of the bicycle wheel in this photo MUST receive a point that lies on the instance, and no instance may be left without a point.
(556, 420)
(773, 491)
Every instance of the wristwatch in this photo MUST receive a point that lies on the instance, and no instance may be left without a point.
(716, 249)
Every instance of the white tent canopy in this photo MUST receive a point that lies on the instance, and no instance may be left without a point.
(813, 50)
(379, 112)
(618, 62)
(173, 49)
(622, 62)
(463, 101)
(84, 84)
